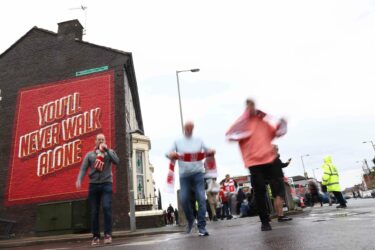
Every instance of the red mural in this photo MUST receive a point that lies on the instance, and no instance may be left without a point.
(55, 126)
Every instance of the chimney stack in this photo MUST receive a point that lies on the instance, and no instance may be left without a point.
(72, 30)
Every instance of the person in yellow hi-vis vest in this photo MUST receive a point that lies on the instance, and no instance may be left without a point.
(331, 181)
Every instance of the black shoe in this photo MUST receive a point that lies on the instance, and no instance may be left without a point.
(203, 232)
(215, 218)
(266, 226)
(341, 206)
(229, 217)
(284, 218)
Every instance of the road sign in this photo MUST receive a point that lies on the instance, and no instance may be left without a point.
(90, 71)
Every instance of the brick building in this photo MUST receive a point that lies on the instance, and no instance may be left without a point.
(57, 93)
(369, 180)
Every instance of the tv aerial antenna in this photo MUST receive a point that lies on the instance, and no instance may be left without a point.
(84, 9)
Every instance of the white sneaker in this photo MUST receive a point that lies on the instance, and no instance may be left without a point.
(95, 241)
(107, 239)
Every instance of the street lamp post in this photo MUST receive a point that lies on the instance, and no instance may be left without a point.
(179, 94)
(303, 165)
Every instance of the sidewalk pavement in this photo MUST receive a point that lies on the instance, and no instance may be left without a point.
(29, 241)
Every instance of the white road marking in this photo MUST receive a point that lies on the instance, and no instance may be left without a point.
(61, 248)
(141, 243)
(154, 241)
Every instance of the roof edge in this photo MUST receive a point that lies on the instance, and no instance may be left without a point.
(55, 34)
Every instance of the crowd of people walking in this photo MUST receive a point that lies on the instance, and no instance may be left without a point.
(254, 131)
(200, 192)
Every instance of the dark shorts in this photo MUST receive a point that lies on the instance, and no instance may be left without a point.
(277, 187)
(271, 176)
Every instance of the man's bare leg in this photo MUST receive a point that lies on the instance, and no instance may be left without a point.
(279, 201)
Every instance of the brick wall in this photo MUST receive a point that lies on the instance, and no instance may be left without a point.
(41, 57)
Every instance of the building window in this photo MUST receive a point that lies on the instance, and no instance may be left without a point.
(140, 174)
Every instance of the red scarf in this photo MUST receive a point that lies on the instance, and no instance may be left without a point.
(210, 167)
(209, 164)
(99, 161)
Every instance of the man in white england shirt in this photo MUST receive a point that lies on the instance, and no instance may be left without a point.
(191, 176)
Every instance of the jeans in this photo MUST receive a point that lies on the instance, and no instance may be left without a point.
(195, 182)
(176, 219)
(225, 210)
(329, 198)
(244, 209)
(101, 193)
(232, 203)
(170, 218)
(259, 175)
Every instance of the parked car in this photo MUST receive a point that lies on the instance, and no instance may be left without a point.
(367, 194)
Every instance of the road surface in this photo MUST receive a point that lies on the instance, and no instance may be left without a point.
(316, 228)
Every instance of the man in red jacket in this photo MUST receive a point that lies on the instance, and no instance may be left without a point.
(230, 187)
(254, 131)
(224, 201)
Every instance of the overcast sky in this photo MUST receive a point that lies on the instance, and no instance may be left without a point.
(309, 61)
